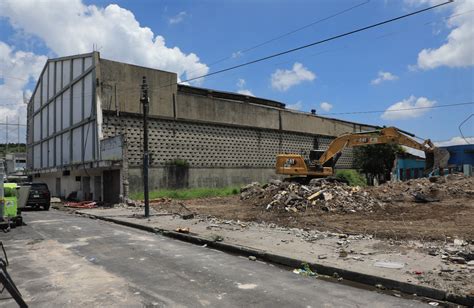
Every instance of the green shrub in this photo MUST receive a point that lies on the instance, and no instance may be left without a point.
(352, 176)
(189, 193)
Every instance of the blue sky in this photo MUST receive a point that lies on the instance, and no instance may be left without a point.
(425, 60)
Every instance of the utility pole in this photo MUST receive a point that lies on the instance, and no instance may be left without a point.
(6, 137)
(18, 137)
(145, 101)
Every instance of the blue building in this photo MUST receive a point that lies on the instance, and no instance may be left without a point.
(460, 155)
(408, 166)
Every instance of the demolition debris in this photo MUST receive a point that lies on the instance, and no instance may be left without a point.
(338, 197)
(293, 197)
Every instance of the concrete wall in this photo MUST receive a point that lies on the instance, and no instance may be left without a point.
(211, 109)
(308, 123)
(120, 88)
(161, 177)
(211, 145)
(215, 110)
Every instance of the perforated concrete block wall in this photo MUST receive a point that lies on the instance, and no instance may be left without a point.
(209, 145)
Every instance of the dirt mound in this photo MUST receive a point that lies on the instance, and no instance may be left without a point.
(319, 193)
(436, 188)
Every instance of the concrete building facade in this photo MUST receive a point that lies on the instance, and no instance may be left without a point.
(85, 131)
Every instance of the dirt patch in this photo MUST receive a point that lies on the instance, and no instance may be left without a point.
(398, 216)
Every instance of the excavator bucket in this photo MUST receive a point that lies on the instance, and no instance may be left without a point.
(436, 158)
(429, 162)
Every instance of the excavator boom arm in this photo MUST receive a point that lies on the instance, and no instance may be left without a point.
(382, 136)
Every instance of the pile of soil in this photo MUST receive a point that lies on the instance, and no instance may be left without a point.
(453, 186)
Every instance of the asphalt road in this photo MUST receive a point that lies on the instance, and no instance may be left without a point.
(63, 260)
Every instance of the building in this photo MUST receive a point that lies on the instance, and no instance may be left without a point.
(15, 163)
(408, 166)
(85, 133)
(461, 158)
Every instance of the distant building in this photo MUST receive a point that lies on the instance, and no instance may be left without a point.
(461, 158)
(408, 166)
(15, 163)
(85, 131)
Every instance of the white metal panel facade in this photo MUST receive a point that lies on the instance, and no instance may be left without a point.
(66, 106)
(63, 114)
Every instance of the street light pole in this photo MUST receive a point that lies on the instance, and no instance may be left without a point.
(145, 101)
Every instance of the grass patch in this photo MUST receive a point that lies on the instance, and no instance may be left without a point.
(189, 193)
(352, 176)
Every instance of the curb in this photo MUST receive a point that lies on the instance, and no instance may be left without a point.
(365, 279)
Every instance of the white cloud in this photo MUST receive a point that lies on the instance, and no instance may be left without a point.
(236, 54)
(296, 106)
(455, 141)
(240, 83)
(70, 27)
(383, 76)
(17, 69)
(458, 50)
(245, 92)
(178, 18)
(406, 108)
(282, 80)
(325, 106)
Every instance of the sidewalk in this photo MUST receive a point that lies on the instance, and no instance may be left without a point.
(407, 262)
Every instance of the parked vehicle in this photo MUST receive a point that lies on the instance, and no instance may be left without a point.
(39, 196)
(10, 213)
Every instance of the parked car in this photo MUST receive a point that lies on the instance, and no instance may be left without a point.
(39, 196)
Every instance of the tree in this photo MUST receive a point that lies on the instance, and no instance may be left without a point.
(376, 161)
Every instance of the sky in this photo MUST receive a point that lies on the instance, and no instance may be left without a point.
(421, 62)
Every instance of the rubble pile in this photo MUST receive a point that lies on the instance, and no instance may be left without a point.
(293, 197)
(434, 188)
(333, 196)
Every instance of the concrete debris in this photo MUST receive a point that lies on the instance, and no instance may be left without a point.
(333, 196)
(81, 205)
(456, 259)
(431, 189)
(459, 242)
(182, 230)
(421, 198)
(294, 198)
(380, 286)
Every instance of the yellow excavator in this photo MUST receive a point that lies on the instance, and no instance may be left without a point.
(321, 163)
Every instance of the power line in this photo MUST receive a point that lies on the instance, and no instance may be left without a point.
(308, 45)
(316, 43)
(292, 32)
(373, 39)
(12, 124)
(461, 124)
(401, 109)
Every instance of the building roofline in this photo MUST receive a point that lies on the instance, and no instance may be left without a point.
(230, 95)
(256, 100)
(205, 91)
